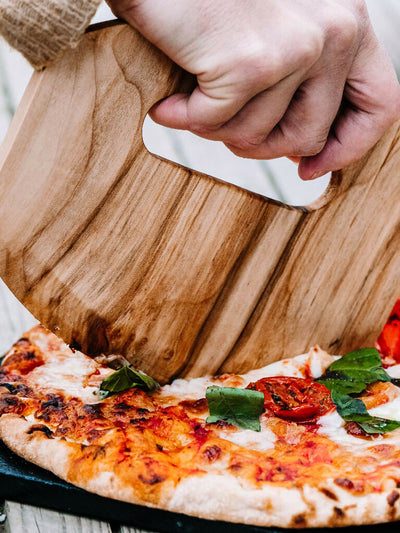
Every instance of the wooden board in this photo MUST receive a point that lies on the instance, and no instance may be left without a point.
(119, 251)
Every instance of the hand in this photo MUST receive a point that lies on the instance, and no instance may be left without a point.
(304, 79)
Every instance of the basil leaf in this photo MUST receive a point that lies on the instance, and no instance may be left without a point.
(365, 358)
(240, 407)
(126, 378)
(379, 425)
(342, 386)
(350, 409)
(354, 410)
(362, 365)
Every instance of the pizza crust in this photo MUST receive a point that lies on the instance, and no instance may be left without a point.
(52, 454)
(214, 497)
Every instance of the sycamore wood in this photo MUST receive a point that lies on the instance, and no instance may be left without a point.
(117, 250)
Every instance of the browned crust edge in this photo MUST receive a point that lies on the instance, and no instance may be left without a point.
(214, 497)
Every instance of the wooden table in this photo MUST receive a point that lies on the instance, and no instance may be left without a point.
(18, 518)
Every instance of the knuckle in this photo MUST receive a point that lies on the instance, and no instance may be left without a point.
(238, 151)
(309, 49)
(246, 143)
(306, 146)
(203, 129)
(342, 29)
(259, 63)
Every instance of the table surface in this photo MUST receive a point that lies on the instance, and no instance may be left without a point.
(14, 319)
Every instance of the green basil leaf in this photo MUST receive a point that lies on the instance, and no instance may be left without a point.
(126, 378)
(342, 386)
(350, 409)
(365, 358)
(379, 425)
(240, 407)
(361, 365)
(354, 410)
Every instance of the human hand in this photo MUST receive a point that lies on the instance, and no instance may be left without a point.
(297, 78)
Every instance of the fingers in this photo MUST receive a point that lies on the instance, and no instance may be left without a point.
(304, 128)
(304, 118)
(354, 135)
(234, 85)
(252, 124)
(373, 105)
(223, 111)
(196, 112)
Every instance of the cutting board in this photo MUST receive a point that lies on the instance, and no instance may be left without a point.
(119, 251)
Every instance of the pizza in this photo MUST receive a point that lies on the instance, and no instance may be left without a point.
(311, 441)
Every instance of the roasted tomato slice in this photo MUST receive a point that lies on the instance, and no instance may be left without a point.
(388, 343)
(294, 399)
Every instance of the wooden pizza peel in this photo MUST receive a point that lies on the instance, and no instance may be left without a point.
(119, 251)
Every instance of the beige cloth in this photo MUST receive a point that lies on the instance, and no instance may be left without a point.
(43, 29)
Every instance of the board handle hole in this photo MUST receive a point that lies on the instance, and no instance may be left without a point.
(276, 179)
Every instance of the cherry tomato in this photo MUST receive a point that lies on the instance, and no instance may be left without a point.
(388, 343)
(294, 399)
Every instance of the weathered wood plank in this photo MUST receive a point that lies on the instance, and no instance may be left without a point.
(127, 529)
(30, 519)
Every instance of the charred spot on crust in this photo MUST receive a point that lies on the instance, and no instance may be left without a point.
(55, 402)
(355, 486)
(299, 520)
(24, 358)
(9, 386)
(10, 400)
(236, 466)
(23, 341)
(195, 406)
(10, 404)
(93, 409)
(151, 479)
(23, 390)
(393, 497)
(137, 420)
(339, 512)
(329, 494)
(54, 405)
(152, 475)
(212, 453)
(40, 427)
(344, 483)
(122, 406)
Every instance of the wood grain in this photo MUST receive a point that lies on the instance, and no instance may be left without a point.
(30, 519)
(119, 251)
